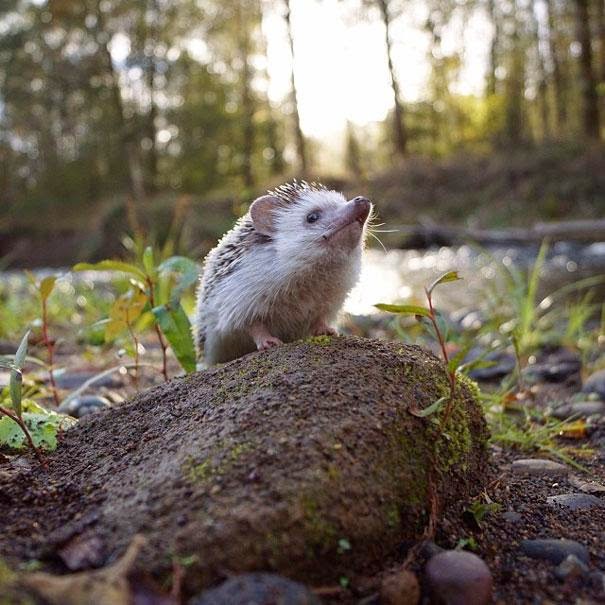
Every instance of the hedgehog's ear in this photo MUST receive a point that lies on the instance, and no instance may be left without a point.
(262, 212)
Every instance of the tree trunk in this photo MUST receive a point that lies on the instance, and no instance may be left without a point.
(588, 85)
(150, 44)
(135, 172)
(557, 76)
(399, 134)
(542, 80)
(494, 48)
(300, 139)
(246, 96)
(601, 34)
(515, 84)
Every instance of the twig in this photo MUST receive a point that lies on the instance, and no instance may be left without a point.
(136, 353)
(158, 331)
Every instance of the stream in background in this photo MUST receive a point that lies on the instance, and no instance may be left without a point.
(401, 275)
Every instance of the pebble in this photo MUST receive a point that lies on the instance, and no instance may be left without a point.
(579, 408)
(554, 550)
(576, 501)
(595, 383)
(8, 348)
(571, 567)
(540, 467)
(82, 405)
(257, 588)
(504, 365)
(588, 487)
(511, 516)
(457, 577)
(546, 372)
(400, 588)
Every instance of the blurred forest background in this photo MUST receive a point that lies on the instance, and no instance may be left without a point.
(168, 116)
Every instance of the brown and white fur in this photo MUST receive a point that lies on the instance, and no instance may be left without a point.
(282, 273)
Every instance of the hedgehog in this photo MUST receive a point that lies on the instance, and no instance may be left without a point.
(281, 274)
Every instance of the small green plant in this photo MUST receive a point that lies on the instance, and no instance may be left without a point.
(44, 289)
(429, 313)
(14, 416)
(154, 295)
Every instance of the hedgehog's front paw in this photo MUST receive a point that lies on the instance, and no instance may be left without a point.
(263, 339)
(321, 328)
(268, 343)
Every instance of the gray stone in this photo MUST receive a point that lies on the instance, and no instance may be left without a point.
(554, 550)
(503, 364)
(511, 516)
(457, 577)
(539, 467)
(595, 383)
(579, 409)
(82, 405)
(257, 589)
(576, 501)
(588, 487)
(557, 372)
(571, 567)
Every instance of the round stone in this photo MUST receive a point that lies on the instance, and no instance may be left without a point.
(457, 577)
(576, 501)
(595, 383)
(539, 467)
(257, 588)
(82, 405)
(554, 550)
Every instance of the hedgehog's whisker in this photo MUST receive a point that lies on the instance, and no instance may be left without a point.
(377, 239)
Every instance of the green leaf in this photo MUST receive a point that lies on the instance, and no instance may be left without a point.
(404, 309)
(21, 353)
(148, 261)
(46, 287)
(189, 271)
(175, 325)
(444, 279)
(112, 265)
(15, 386)
(43, 425)
(431, 409)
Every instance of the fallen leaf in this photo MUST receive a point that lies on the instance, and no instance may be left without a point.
(107, 586)
(83, 551)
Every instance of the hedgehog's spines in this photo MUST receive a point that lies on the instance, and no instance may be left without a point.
(289, 192)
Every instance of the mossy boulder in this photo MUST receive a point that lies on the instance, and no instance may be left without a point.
(304, 460)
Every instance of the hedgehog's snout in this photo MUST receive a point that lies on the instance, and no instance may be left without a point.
(362, 207)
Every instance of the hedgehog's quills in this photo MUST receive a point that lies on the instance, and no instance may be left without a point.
(282, 273)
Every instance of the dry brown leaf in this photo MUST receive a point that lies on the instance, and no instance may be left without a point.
(107, 586)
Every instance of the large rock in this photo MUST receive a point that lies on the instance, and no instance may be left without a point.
(303, 460)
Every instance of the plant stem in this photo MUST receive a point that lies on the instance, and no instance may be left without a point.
(26, 432)
(451, 373)
(50, 348)
(158, 331)
(136, 353)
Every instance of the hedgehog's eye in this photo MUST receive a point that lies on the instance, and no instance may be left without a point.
(313, 217)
